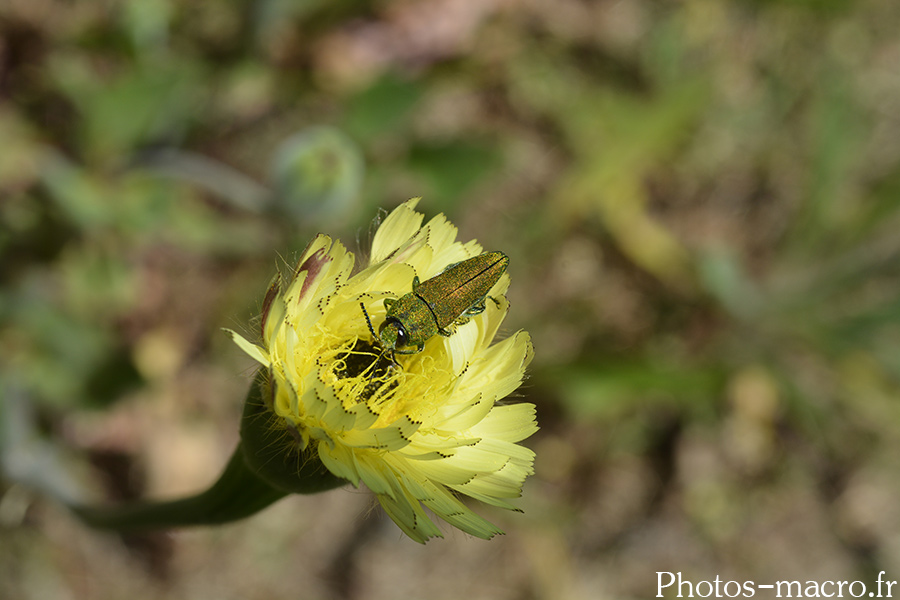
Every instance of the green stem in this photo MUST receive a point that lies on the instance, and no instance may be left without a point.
(265, 467)
(238, 493)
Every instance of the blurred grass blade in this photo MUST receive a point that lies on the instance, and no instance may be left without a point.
(28, 459)
(723, 276)
(227, 183)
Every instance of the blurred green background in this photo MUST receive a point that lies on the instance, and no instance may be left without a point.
(700, 200)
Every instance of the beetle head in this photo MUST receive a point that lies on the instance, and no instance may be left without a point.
(393, 334)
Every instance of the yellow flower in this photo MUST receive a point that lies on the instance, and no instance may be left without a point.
(420, 432)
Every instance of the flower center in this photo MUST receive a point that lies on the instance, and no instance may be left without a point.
(365, 371)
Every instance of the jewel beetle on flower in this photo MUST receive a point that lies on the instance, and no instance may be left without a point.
(422, 436)
(451, 297)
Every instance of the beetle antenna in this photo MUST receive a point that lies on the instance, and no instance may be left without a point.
(377, 340)
(369, 321)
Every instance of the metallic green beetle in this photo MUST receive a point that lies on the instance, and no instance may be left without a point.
(459, 292)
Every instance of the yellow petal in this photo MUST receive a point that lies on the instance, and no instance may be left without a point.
(509, 423)
(398, 227)
(253, 350)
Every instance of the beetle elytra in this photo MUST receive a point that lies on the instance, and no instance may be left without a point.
(456, 294)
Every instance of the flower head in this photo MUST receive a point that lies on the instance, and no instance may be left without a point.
(417, 429)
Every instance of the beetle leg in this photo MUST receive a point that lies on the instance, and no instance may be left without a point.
(450, 266)
(415, 282)
(415, 350)
(388, 302)
(476, 309)
(445, 332)
(392, 364)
